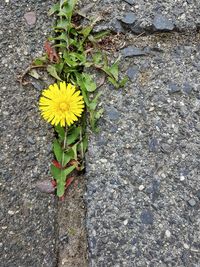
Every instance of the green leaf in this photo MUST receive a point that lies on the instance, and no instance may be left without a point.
(61, 176)
(86, 31)
(61, 132)
(97, 58)
(53, 9)
(67, 8)
(74, 148)
(73, 135)
(62, 24)
(114, 83)
(68, 170)
(63, 37)
(76, 56)
(59, 67)
(34, 74)
(60, 188)
(114, 70)
(69, 60)
(101, 35)
(55, 172)
(68, 156)
(89, 82)
(93, 104)
(40, 61)
(99, 113)
(80, 82)
(85, 143)
(52, 71)
(57, 149)
(123, 82)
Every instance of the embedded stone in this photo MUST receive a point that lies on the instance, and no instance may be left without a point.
(161, 23)
(132, 51)
(129, 18)
(30, 18)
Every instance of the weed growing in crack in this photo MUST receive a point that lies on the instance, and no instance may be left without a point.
(71, 104)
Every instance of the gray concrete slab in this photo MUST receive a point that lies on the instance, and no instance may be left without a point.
(28, 217)
(143, 167)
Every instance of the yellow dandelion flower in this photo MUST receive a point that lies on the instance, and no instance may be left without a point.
(61, 104)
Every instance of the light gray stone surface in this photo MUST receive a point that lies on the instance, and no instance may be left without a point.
(180, 15)
(28, 217)
(143, 167)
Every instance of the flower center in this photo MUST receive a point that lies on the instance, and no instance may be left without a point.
(64, 106)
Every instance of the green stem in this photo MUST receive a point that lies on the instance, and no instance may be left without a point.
(64, 146)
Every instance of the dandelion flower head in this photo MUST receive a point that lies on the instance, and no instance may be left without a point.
(61, 104)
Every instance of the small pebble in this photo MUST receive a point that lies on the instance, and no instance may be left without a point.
(186, 246)
(182, 178)
(11, 212)
(151, 109)
(192, 202)
(141, 187)
(125, 222)
(104, 160)
(167, 233)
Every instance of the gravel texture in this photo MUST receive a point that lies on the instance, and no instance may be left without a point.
(28, 217)
(143, 167)
(149, 16)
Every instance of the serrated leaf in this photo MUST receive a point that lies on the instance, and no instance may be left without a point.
(68, 60)
(86, 31)
(62, 24)
(114, 70)
(52, 71)
(68, 156)
(114, 83)
(123, 81)
(61, 176)
(53, 9)
(97, 58)
(63, 36)
(89, 82)
(67, 7)
(93, 104)
(62, 180)
(79, 80)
